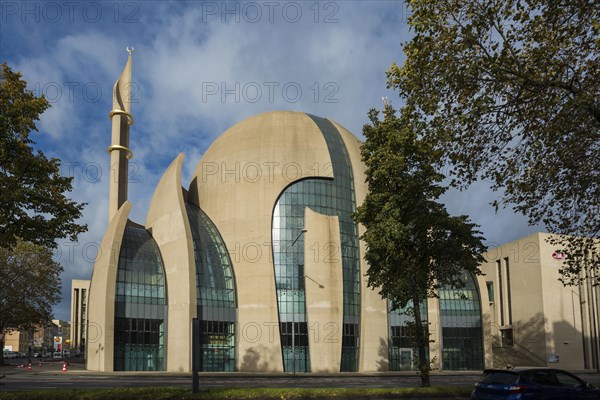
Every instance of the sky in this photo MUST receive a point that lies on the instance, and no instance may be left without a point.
(198, 68)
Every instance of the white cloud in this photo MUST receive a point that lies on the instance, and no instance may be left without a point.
(497, 227)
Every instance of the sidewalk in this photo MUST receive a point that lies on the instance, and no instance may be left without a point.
(55, 367)
(47, 366)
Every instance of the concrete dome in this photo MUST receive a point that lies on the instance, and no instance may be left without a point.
(238, 183)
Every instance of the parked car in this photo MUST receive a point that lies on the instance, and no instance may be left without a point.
(532, 383)
(10, 354)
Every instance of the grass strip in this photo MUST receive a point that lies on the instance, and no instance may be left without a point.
(166, 393)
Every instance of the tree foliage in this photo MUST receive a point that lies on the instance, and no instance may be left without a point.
(414, 246)
(30, 286)
(33, 205)
(509, 91)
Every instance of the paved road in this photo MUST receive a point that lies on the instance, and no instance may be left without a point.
(51, 376)
(74, 380)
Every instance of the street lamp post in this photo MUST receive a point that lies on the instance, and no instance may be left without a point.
(302, 232)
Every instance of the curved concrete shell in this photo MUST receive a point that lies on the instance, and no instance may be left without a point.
(168, 223)
(101, 311)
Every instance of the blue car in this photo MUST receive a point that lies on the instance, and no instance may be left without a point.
(532, 383)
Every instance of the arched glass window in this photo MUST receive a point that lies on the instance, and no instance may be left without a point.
(460, 314)
(215, 294)
(330, 197)
(140, 304)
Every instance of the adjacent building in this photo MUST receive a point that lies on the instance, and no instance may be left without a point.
(62, 338)
(44, 337)
(532, 319)
(79, 304)
(18, 341)
(40, 339)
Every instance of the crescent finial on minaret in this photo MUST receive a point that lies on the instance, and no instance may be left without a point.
(122, 89)
(120, 154)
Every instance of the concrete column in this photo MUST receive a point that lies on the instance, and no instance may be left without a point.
(324, 291)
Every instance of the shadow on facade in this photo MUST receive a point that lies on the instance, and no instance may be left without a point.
(251, 361)
(383, 363)
(570, 348)
(522, 344)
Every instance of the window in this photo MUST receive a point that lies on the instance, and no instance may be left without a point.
(217, 346)
(215, 294)
(140, 304)
(566, 380)
(544, 378)
(490, 289)
(300, 334)
(504, 378)
(460, 314)
(508, 295)
(507, 337)
(500, 291)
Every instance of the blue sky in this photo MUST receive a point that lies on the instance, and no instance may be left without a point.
(198, 68)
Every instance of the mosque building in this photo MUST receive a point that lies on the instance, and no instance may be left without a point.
(261, 248)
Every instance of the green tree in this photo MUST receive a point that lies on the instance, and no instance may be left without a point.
(33, 205)
(413, 245)
(509, 91)
(30, 286)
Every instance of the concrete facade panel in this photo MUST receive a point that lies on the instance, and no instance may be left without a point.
(101, 308)
(548, 327)
(324, 293)
(168, 223)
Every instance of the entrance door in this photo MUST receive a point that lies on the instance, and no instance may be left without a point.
(406, 360)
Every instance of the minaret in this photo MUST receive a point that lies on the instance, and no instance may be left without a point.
(119, 148)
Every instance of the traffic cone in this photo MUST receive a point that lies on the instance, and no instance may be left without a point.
(64, 367)
(29, 367)
(40, 364)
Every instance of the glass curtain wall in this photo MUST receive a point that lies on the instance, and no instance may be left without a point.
(215, 293)
(140, 304)
(402, 355)
(84, 293)
(329, 197)
(460, 314)
(288, 259)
